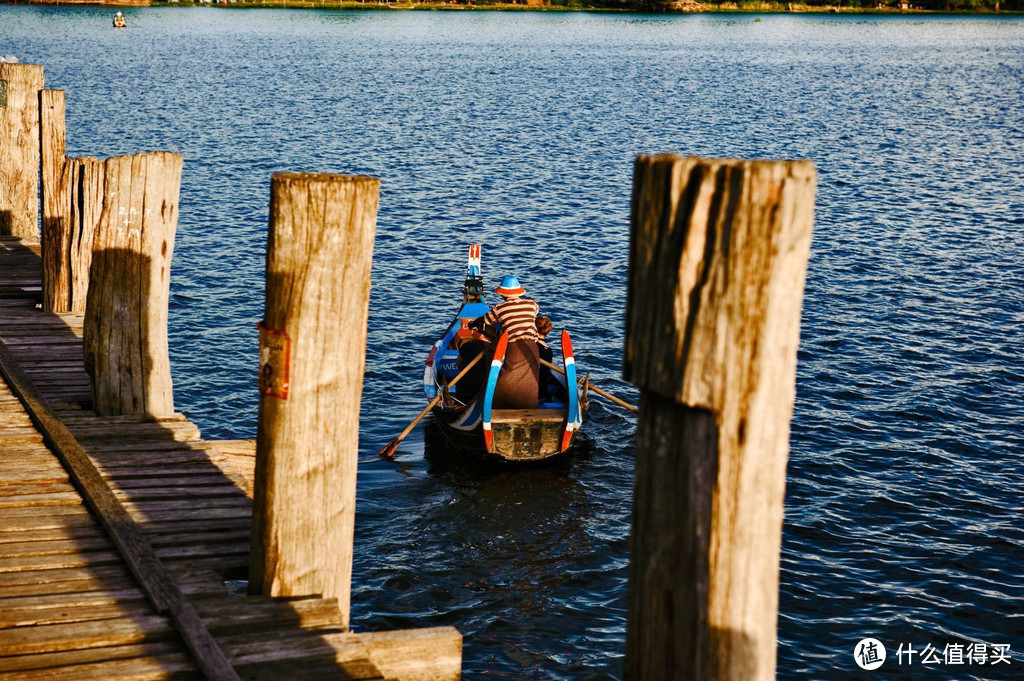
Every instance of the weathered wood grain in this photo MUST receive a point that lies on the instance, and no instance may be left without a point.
(718, 258)
(433, 654)
(44, 663)
(319, 257)
(176, 431)
(70, 612)
(163, 667)
(54, 546)
(125, 331)
(95, 634)
(19, 149)
(55, 239)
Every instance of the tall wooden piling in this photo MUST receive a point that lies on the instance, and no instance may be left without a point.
(56, 238)
(718, 259)
(125, 334)
(69, 228)
(52, 143)
(19, 149)
(312, 356)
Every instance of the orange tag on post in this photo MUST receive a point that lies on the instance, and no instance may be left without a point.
(275, 357)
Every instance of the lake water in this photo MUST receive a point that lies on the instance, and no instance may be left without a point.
(517, 131)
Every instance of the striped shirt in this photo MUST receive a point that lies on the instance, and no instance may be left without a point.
(518, 316)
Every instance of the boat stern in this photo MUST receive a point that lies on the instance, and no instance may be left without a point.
(526, 434)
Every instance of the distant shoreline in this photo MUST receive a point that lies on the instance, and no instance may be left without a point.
(679, 7)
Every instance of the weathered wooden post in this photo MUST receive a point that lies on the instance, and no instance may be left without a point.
(69, 228)
(125, 335)
(312, 355)
(19, 149)
(52, 143)
(717, 265)
(56, 238)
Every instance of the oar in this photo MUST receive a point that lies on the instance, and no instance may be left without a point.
(389, 450)
(602, 393)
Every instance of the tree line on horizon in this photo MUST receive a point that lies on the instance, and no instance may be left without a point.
(691, 5)
(753, 5)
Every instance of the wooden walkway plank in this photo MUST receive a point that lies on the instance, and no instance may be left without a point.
(176, 666)
(61, 600)
(192, 494)
(59, 561)
(65, 580)
(85, 532)
(13, 514)
(176, 431)
(171, 531)
(68, 614)
(228, 552)
(77, 635)
(73, 417)
(47, 661)
(172, 478)
(52, 547)
(32, 489)
(35, 501)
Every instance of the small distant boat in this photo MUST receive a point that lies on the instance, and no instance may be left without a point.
(119, 21)
(474, 424)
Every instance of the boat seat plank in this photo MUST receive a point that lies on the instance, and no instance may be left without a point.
(516, 416)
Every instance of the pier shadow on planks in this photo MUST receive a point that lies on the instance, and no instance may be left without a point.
(69, 607)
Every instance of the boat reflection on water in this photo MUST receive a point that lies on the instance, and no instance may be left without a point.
(519, 542)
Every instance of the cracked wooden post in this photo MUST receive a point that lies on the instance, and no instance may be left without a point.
(19, 149)
(56, 236)
(718, 258)
(69, 232)
(312, 355)
(125, 334)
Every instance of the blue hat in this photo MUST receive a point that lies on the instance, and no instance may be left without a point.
(510, 287)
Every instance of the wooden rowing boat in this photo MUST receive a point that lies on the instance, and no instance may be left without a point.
(468, 417)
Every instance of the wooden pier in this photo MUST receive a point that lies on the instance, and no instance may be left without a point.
(119, 525)
(70, 605)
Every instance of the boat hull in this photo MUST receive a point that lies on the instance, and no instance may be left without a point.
(518, 435)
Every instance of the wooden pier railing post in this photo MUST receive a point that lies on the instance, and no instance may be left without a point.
(718, 259)
(312, 356)
(55, 239)
(125, 334)
(69, 228)
(19, 149)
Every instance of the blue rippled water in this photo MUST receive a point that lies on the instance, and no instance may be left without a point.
(517, 131)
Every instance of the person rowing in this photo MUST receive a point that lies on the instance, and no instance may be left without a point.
(518, 385)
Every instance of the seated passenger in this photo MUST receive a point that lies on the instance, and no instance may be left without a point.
(518, 383)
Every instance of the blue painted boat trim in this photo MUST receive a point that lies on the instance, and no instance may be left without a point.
(572, 388)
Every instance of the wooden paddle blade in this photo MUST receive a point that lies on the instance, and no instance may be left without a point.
(389, 450)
